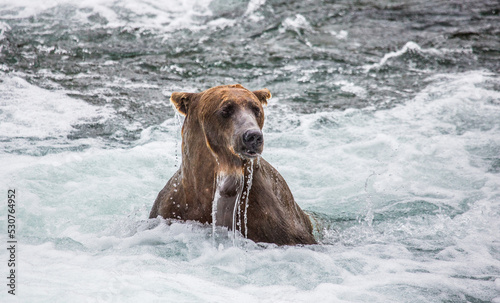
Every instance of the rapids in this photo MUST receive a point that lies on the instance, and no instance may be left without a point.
(384, 121)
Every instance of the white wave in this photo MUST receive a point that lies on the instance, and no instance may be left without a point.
(253, 5)
(408, 47)
(412, 47)
(424, 147)
(164, 16)
(350, 87)
(221, 23)
(341, 35)
(296, 23)
(31, 112)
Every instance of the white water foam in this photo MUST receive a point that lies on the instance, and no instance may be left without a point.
(29, 111)
(161, 16)
(450, 119)
(144, 14)
(407, 48)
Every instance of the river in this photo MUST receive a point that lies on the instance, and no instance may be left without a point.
(384, 121)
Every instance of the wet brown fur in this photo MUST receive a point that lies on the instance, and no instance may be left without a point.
(208, 149)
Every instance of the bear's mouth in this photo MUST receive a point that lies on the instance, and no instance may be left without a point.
(250, 154)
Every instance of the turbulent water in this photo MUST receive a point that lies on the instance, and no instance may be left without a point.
(385, 122)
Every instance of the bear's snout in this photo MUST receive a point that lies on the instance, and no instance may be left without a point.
(252, 142)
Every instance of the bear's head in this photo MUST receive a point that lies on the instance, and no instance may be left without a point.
(227, 119)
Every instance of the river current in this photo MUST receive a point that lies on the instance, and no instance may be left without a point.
(384, 121)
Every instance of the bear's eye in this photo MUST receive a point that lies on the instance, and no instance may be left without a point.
(256, 111)
(227, 111)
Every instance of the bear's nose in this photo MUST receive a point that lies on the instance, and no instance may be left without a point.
(253, 139)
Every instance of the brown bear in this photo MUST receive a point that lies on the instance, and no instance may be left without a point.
(222, 179)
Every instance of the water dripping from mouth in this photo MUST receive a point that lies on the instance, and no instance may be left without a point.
(249, 168)
(239, 220)
(247, 186)
(237, 209)
(218, 184)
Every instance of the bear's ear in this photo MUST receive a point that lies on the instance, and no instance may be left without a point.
(263, 95)
(181, 101)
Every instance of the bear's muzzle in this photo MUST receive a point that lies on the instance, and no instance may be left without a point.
(253, 141)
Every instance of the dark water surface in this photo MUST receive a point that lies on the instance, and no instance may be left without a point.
(303, 51)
